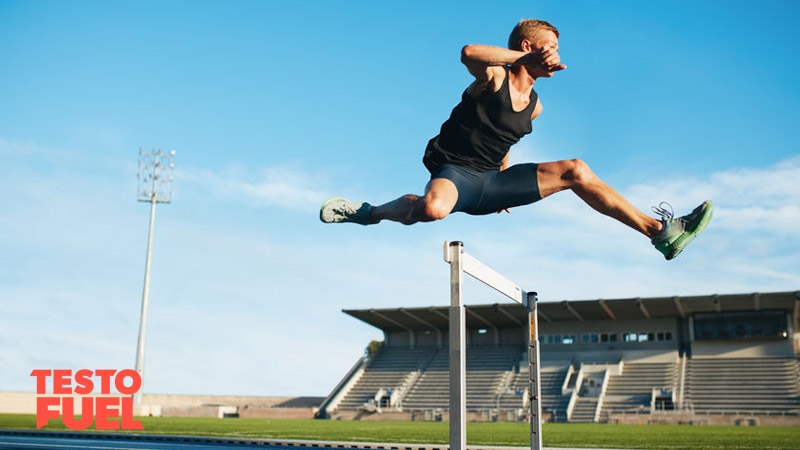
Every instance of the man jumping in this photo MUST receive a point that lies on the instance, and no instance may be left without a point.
(468, 160)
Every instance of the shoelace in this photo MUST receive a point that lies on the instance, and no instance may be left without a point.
(663, 212)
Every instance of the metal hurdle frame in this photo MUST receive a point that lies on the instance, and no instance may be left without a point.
(460, 263)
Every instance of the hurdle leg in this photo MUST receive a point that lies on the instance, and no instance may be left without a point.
(533, 359)
(458, 351)
(460, 263)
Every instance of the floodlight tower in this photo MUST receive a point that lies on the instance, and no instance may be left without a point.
(155, 186)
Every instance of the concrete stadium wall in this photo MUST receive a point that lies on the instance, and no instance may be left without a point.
(742, 349)
(428, 338)
(475, 338)
(17, 403)
(628, 355)
(180, 405)
(198, 411)
(610, 326)
(516, 335)
(706, 419)
(277, 413)
(166, 400)
(422, 416)
(25, 402)
(797, 343)
(397, 339)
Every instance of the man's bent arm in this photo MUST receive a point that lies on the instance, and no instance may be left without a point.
(488, 55)
(480, 58)
(484, 61)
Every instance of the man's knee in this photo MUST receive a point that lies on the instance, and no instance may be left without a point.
(434, 208)
(579, 172)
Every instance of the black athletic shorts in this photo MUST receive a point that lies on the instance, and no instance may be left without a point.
(489, 192)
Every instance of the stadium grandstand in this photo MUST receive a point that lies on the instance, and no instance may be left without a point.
(701, 359)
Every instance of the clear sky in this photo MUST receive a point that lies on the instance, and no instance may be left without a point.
(274, 106)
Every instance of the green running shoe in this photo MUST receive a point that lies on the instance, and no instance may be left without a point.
(678, 233)
(338, 209)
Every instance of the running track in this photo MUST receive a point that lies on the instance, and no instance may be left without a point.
(58, 440)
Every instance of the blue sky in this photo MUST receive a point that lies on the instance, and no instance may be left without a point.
(272, 107)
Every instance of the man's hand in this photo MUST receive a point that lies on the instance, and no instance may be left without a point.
(545, 60)
(552, 60)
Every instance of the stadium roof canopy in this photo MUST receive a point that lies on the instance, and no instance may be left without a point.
(513, 314)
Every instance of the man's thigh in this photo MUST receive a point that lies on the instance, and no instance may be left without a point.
(459, 187)
(443, 190)
(515, 186)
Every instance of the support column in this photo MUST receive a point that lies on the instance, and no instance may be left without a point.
(534, 390)
(458, 354)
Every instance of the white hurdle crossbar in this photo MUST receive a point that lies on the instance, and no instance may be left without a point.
(460, 263)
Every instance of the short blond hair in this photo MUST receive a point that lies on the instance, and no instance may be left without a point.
(528, 29)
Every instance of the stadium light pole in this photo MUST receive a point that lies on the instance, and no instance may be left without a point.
(155, 186)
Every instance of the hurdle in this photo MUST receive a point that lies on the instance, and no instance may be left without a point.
(461, 263)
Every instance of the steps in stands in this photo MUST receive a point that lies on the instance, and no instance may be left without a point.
(632, 390)
(553, 401)
(389, 369)
(584, 410)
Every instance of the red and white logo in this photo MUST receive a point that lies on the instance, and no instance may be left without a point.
(99, 409)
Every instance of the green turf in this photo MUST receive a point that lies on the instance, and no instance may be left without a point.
(503, 433)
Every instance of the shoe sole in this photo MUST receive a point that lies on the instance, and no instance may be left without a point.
(322, 209)
(688, 236)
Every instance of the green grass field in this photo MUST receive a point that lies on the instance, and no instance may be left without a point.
(502, 433)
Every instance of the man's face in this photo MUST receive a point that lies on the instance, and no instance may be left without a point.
(542, 40)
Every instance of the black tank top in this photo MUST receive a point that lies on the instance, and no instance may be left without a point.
(480, 131)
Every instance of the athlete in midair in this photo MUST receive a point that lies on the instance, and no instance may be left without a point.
(468, 160)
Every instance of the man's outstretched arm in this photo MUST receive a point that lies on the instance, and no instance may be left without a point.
(483, 61)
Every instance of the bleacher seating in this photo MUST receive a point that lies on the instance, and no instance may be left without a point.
(497, 377)
(751, 385)
(490, 375)
(512, 396)
(553, 401)
(632, 390)
(389, 369)
(487, 369)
